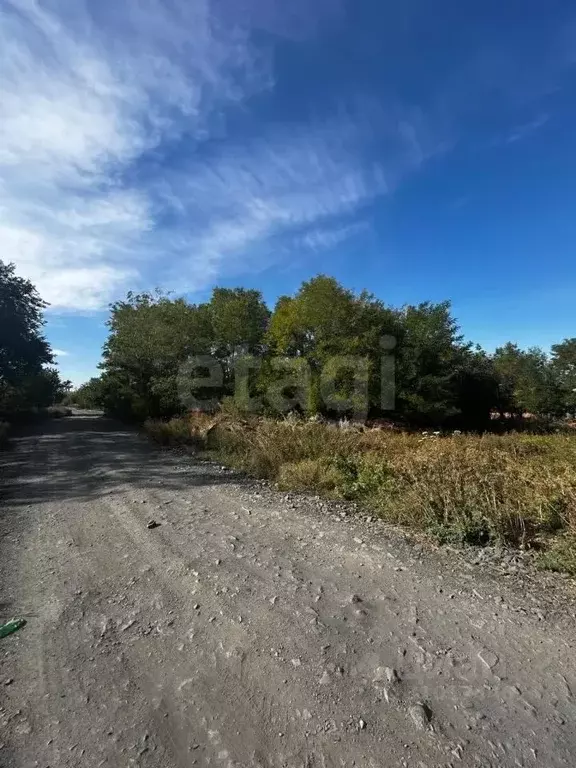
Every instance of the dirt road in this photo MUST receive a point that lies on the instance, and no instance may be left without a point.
(254, 629)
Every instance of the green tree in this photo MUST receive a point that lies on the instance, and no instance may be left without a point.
(150, 336)
(528, 379)
(564, 369)
(23, 348)
(88, 396)
(24, 352)
(337, 332)
(239, 319)
(430, 361)
(477, 389)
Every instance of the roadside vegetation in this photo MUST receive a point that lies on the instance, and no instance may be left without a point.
(30, 385)
(468, 445)
(408, 365)
(515, 489)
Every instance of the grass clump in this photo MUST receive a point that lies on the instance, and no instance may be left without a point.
(560, 556)
(315, 475)
(182, 431)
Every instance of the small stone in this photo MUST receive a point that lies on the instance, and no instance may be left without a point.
(127, 626)
(153, 524)
(358, 541)
(420, 716)
(9, 681)
(361, 724)
(386, 674)
(355, 599)
(296, 663)
(325, 679)
(488, 658)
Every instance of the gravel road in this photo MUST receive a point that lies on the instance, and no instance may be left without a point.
(251, 628)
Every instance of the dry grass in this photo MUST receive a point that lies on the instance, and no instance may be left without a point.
(517, 489)
(180, 431)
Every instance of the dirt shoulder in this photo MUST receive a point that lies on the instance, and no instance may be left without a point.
(252, 628)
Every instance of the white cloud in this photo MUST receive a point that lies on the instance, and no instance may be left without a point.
(60, 353)
(321, 239)
(297, 183)
(82, 98)
(522, 131)
(92, 96)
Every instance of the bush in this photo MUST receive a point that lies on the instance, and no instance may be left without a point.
(560, 556)
(179, 431)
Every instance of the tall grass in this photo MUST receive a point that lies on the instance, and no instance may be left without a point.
(516, 489)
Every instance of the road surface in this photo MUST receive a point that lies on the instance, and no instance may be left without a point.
(251, 628)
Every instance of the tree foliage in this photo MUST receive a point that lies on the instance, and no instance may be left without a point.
(325, 349)
(26, 381)
(564, 371)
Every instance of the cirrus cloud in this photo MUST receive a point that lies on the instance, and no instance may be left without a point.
(97, 100)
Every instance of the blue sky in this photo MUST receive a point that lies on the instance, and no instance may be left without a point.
(421, 150)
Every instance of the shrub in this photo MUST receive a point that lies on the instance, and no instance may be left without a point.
(179, 431)
(561, 556)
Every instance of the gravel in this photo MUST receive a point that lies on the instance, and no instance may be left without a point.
(260, 653)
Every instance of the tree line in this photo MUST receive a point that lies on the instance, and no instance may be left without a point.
(439, 379)
(28, 378)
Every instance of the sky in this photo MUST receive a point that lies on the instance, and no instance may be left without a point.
(424, 151)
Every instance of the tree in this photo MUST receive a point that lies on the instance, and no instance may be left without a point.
(324, 349)
(563, 365)
(477, 390)
(430, 360)
(339, 334)
(88, 396)
(23, 348)
(152, 336)
(238, 320)
(529, 380)
(25, 381)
